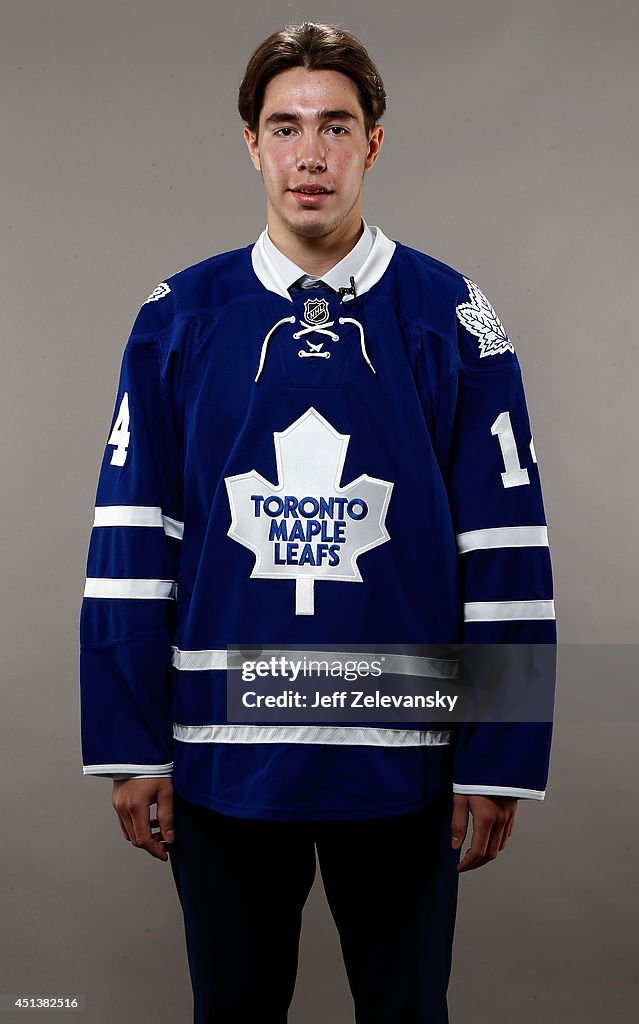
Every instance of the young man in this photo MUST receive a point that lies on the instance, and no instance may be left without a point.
(318, 439)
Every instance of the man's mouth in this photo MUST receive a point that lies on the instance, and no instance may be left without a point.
(311, 197)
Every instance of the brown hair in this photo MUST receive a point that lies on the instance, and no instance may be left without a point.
(311, 46)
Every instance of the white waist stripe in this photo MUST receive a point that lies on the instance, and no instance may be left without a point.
(125, 588)
(503, 537)
(198, 661)
(497, 611)
(335, 735)
(172, 527)
(137, 515)
(398, 664)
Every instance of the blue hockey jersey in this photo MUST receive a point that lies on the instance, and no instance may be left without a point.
(321, 468)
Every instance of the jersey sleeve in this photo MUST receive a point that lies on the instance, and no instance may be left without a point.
(127, 618)
(502, 541)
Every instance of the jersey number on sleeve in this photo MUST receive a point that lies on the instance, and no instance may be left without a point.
(120, 435)
(515, 474)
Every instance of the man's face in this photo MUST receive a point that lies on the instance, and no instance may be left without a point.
(311, 133)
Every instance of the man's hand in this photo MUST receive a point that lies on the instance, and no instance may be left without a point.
(493, 821)
(132, 799)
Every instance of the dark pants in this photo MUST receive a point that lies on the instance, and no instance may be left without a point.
(391, 885)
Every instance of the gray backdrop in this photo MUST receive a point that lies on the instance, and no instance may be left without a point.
(510, 153)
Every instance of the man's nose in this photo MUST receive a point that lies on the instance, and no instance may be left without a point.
(311, 155)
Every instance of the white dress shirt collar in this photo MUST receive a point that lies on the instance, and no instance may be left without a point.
(338, 276)
(366, 262)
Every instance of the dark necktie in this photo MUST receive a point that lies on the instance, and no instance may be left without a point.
(308, 281)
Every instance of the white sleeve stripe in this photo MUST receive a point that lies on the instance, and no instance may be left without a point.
(125, 588)
(121, 776)
(525, 794)
(137, 515)
(503, 537)
(127, 515)
(497, 611)
(158, 770)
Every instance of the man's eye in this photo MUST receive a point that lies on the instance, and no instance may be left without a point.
(333, 128)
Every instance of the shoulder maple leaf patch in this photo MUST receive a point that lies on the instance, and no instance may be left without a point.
(479, 318)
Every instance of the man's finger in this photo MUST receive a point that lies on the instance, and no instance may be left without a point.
(140, 818)
(459, 821)
(505, 836)
(476, 852)
(496, 838)
(122, 825)
(493, 821)
(496, 841)
(133, 800)
(136, 818)
(508, 829)
(165, 814)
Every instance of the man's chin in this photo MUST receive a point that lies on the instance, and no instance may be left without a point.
(312, 227)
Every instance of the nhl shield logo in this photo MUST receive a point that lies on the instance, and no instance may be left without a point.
(316, 311)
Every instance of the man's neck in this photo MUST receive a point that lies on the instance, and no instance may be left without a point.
(315, 256)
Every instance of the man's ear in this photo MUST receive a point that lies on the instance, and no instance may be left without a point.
(253, 148)
(374, 145)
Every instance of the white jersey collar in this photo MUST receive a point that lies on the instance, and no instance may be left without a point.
(366, 262)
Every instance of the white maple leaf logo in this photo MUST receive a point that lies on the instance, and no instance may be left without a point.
(479, 317)
(307, 527)
(158, 292)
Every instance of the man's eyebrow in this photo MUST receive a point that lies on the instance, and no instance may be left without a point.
(322, 115)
